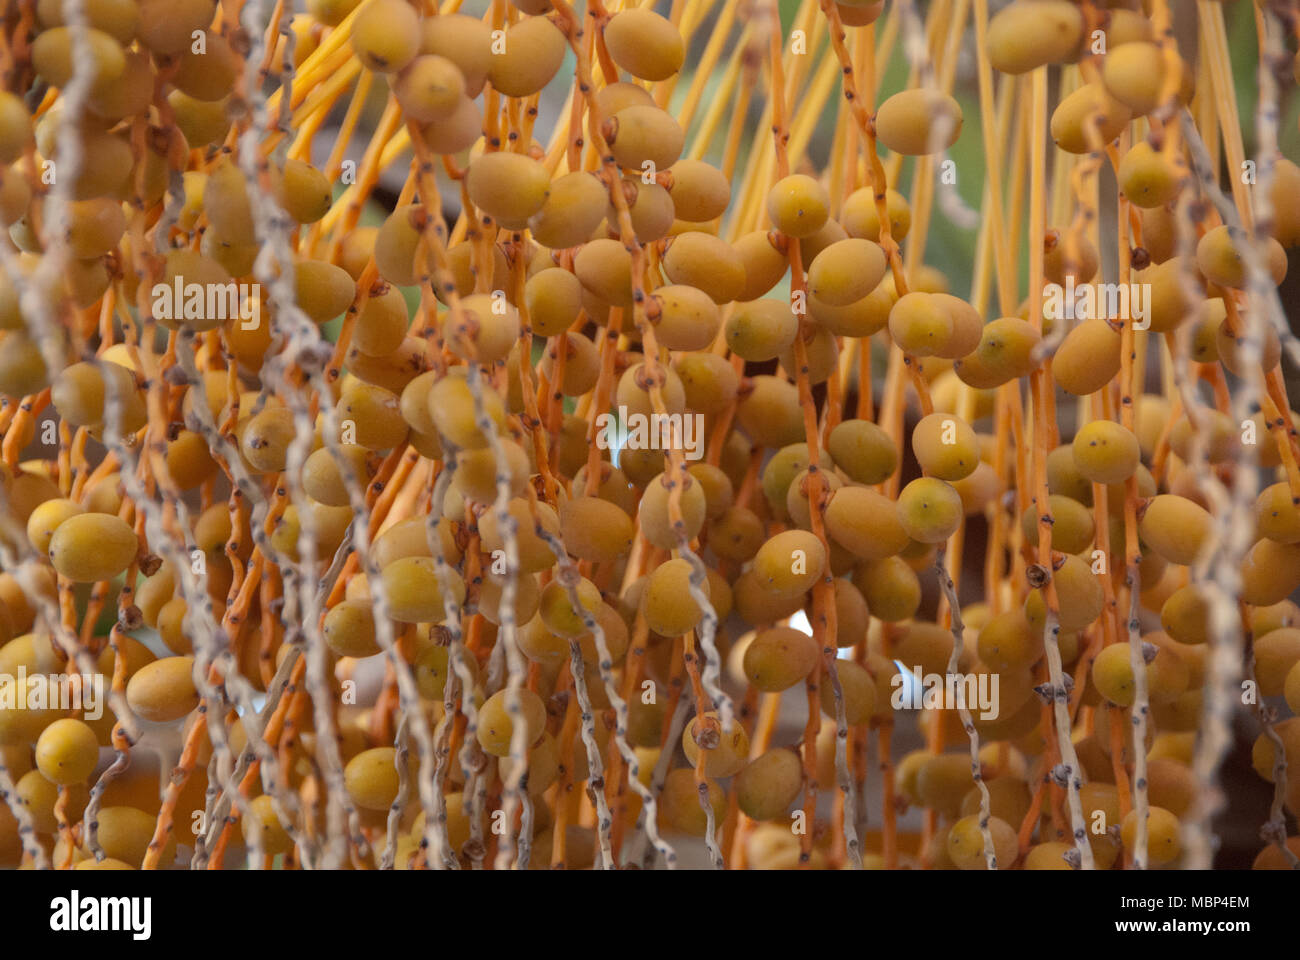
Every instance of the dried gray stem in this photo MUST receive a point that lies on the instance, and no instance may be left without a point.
(968, 724)
(402, 755)
(1138, 715)
(507, 641)
(1069, 758)
(26, 826)
(1234, 521)
(660, 774)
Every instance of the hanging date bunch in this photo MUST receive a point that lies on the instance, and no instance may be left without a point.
(743, 434)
